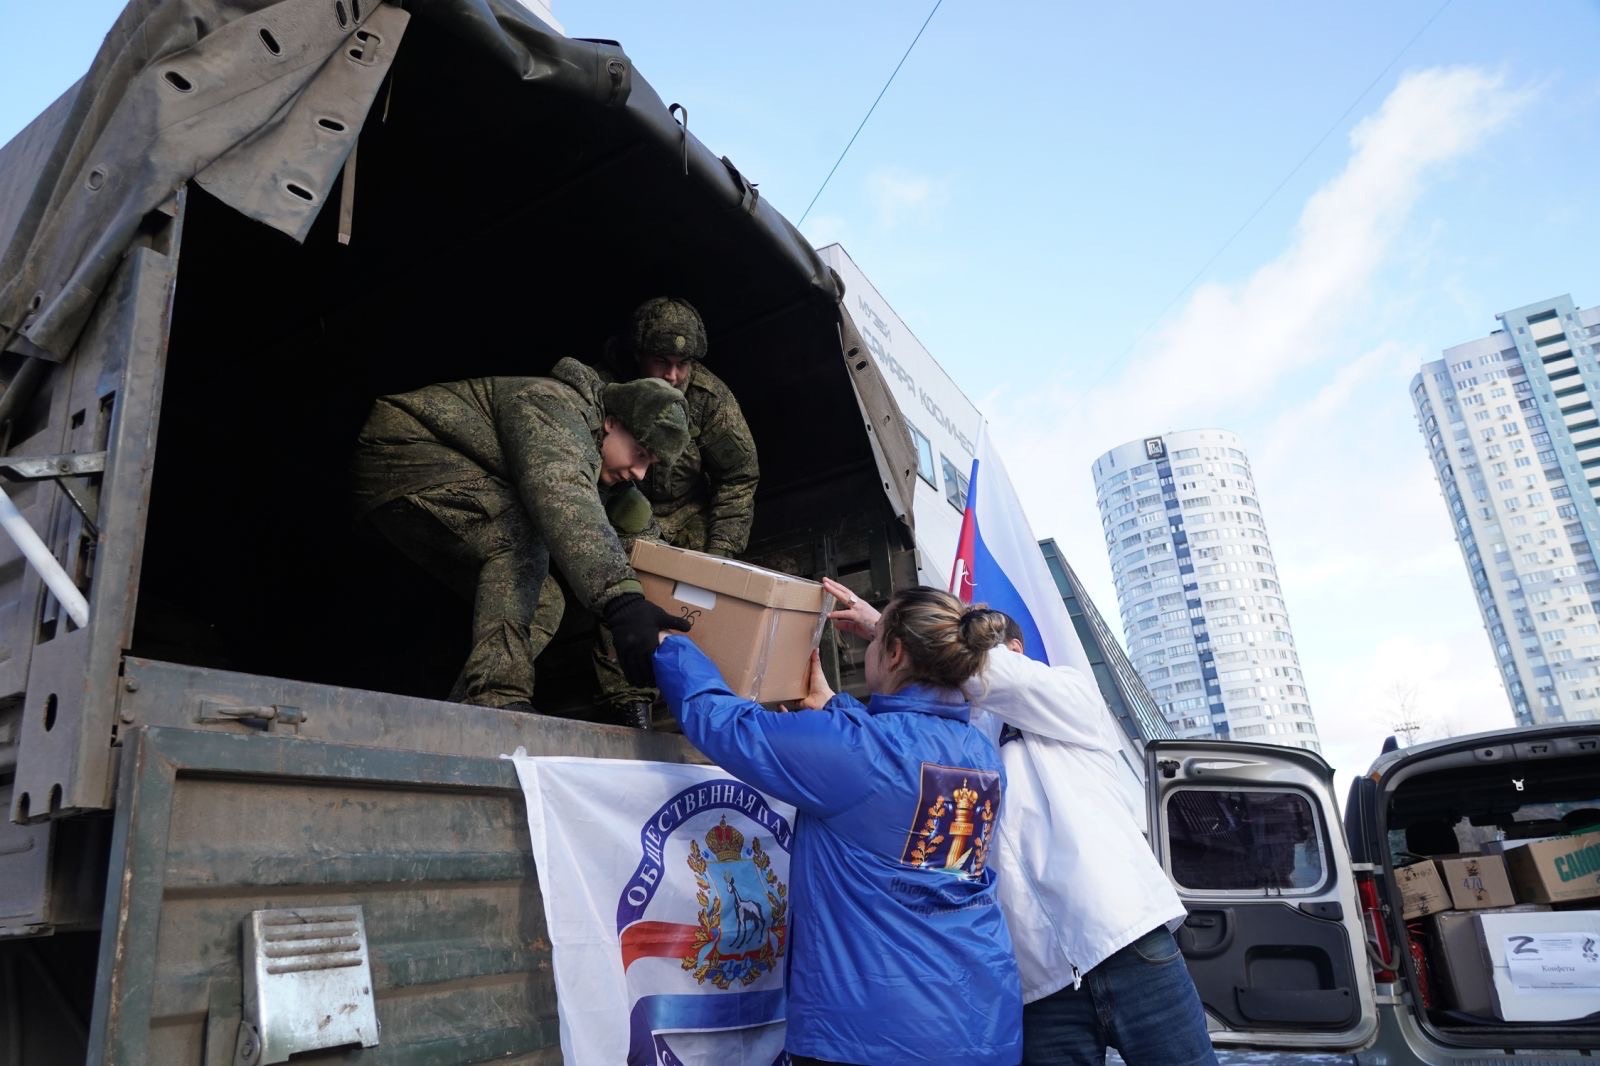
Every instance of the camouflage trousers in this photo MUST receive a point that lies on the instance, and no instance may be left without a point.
(476, 538)
(683, 528)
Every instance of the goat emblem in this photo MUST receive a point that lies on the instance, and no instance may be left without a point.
(744, 909)
(752, 924)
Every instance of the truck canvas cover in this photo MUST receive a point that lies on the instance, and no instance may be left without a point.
(471, 192)
(244, 223)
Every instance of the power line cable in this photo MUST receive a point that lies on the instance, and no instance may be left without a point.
(870, 110)
(1276, 189)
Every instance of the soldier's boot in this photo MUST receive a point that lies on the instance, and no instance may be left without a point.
(635, 715)
(624, 703)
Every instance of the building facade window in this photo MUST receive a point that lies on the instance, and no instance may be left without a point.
(925, 468)
(955, 485)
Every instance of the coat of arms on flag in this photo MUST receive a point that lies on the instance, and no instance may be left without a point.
(744, 909)
(666, 895)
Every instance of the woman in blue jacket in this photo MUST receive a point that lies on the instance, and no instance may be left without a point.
(899, 952)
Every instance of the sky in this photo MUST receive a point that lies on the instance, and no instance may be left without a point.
(1041, 183)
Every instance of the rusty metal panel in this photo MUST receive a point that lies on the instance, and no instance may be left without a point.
(196, 697)
(107, 398)
(24, 874)
(211, 826)
(39, 429)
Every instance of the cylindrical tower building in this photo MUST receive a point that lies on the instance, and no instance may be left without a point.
(1202, 612)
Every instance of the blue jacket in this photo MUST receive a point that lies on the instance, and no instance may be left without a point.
(898, 951)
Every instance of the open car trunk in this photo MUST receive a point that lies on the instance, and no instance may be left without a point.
(1477, 798)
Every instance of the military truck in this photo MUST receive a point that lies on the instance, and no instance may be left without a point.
(246, 221)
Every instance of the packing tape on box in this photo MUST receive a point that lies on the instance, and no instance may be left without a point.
(759, 677)
(822, 618)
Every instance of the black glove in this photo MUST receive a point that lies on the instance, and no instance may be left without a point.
(636, 626)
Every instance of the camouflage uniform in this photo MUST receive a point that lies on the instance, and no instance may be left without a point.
(705, 500)
(489, 481)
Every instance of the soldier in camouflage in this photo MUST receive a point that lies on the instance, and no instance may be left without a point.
(706, 499)
(490, 481)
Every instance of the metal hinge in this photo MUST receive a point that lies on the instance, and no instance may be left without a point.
(259, 717)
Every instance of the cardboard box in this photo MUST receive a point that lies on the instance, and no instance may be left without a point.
(1544, 967)
(1459, 966)
(1554, 871)
(758, 626)
(1475, 881)
(1500, 847)
(1422, 891)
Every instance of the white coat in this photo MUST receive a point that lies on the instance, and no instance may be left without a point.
(1078, 880)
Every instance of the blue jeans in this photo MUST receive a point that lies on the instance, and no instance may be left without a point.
(1140, 1001)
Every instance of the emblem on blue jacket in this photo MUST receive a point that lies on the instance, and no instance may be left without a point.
(955, 818)
(744, 909)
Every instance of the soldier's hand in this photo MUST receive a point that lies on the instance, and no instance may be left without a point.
(636, 626)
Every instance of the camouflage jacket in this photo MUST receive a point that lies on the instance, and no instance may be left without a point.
(539, 435)
(714, 481)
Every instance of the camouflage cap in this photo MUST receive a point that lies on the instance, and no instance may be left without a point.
(652, 411)
(667, 327)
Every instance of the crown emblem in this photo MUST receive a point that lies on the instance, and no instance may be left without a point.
(961, 828)
(725, 842)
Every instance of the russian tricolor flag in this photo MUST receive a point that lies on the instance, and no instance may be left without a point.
(998, 562)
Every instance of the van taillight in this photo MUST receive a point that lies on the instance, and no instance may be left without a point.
(1378, 949)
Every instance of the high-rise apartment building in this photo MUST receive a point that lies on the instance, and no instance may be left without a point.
(1202, 613)
(1511, 427)
(1125, 692)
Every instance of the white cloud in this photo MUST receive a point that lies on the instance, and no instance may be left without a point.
(1300, 359)
(1286, 315)
(900, 196)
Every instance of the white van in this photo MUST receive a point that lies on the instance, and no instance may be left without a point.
(1294, 934)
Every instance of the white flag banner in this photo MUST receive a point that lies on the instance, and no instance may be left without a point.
(666, 894)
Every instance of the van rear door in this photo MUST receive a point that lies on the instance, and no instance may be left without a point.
(1250, 836)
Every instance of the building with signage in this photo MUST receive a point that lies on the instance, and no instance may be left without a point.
(943, 422)
(944, 425)
(1510, 425)
(1203, 615)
